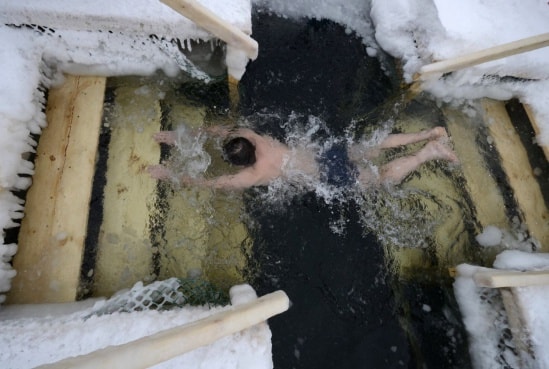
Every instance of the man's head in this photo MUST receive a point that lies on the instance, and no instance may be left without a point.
(239, 151)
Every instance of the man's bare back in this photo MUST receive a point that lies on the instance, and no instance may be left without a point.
(270, 156)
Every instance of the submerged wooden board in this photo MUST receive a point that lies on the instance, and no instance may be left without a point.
(202, 233)
(481, 185)
(514, 160)
(157, 230)
(124, 250)
(51, 239)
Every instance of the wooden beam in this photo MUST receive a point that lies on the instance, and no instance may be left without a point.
(53, 231)
(483, 56)
(509, 278)
(210, 21)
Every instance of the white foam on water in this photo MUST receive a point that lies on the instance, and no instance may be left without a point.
(188, 157)
(193, 158)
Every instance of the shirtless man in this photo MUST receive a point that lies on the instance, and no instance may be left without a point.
(263, 159)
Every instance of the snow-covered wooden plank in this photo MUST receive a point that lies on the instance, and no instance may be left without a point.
(152, 350)
(509, 278)
(483, 56)
(142, 17)
(52, 235)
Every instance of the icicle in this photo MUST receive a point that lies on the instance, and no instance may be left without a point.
(7, 251)
(26, 167)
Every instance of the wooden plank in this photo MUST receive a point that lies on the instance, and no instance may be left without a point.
(481, 185)
(149, 351)
(218, 27)
(514, 161)
(509, 278)
(124, 251)
(184, 243)
(52, 235)
(483, 56)
(202, 232)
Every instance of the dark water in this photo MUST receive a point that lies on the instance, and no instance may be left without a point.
(312, 67)
(343, 312)
(348, 309)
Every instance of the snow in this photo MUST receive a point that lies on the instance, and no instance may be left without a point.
(416, 31)
(423, 31)
(48, 336)
(491, 236)
(481, 317)
(532, 299)
(483, 313)
(517, 238)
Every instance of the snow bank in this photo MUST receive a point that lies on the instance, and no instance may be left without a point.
(28, 342)
(423, 31)
(532, 299)
(485, 319)
(41, 40)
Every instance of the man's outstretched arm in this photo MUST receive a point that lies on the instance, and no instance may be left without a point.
(239, 181)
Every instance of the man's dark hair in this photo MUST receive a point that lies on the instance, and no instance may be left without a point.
(239, 151)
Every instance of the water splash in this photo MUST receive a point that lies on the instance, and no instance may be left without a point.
(399, 216)
(192, 159)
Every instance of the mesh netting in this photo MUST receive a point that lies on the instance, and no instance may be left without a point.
(164, 295)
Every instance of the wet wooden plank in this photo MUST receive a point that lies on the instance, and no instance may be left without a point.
(520, 174)
(202, 232)
(52, 235)
(124, 251)
(481, 185)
